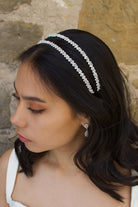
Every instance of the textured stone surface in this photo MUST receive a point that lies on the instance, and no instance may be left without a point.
(115, 22)
(7, 138)
(7, 132)
(53, 15)
(9, 5)
(4, 107)
(16, 37)
(131, 73)
(6, 88)
(135, 83)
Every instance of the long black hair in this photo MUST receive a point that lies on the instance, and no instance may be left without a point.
(113, 134)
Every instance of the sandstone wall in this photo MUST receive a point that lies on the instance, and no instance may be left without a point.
(25, 22)
(116, 22)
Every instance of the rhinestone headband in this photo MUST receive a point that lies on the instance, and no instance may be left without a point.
(71, 61)
(82, 53)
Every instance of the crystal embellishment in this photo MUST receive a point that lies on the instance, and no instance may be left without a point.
(82, 53)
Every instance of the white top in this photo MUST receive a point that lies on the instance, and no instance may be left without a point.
(11, 177)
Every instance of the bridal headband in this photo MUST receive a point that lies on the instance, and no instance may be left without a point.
(72, 62)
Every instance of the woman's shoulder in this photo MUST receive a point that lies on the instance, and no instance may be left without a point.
(4, 159)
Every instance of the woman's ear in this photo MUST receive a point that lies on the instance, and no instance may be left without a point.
(84, 119)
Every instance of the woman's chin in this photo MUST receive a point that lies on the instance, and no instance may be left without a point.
(34, 149)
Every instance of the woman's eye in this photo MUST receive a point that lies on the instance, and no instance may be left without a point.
(32, 110)
(36, 111)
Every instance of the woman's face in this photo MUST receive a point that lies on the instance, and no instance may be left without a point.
(42, 117)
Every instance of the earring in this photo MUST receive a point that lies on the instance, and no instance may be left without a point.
(86, 132)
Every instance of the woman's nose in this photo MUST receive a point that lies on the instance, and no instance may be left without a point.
(18, 118)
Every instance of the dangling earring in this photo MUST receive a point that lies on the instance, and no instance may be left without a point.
(86, 132)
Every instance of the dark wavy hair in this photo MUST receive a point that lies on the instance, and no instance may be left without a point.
(113, 134)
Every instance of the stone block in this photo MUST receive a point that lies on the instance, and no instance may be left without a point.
(16, 37)
(115, 22)
(10, 5)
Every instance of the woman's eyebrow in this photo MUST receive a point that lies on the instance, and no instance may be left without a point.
(30, 98)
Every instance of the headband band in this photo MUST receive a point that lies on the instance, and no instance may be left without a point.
(82, 53)
(71, 61)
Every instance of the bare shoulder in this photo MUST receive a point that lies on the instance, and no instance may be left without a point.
(3, 172)
(4, 159)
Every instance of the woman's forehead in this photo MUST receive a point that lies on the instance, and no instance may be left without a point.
(29, 83)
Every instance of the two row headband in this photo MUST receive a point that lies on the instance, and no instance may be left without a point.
(72, 62)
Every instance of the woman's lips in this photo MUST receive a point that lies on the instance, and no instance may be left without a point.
(23, 139)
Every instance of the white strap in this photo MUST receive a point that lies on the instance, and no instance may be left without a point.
(11, 175)
(134, 196)
(134, 192)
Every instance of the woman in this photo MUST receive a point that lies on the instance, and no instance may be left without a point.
(77, 141)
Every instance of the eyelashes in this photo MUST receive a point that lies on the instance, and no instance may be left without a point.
(36, 111)
(32, 110)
